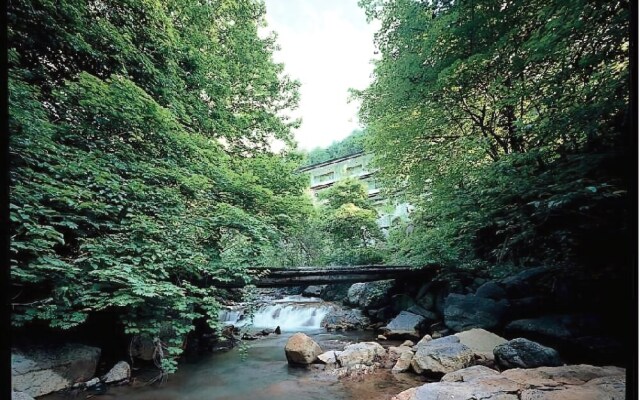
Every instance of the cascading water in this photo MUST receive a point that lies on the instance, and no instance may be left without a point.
(290, 313)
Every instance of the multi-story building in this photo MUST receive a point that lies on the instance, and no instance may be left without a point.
(323, 175)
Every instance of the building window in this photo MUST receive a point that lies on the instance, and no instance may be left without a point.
(354, 170)
(324, 177)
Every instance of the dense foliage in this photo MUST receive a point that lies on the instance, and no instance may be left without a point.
(140, 164)
(352, 144)
(349, 220)
(506, 122)
(341, 229)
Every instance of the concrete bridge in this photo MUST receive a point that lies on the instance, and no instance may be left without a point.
(303, 276)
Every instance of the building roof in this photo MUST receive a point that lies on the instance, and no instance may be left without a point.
(329, 162)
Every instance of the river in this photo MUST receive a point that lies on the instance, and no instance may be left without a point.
(263, 373)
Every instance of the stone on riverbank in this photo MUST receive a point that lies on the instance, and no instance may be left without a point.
(301, 349)
(570, 382)
(442, 355)
(39, 371)
(404, 362)
(481, 342)
(370, 294)
(404, 325)
(21, 396)
(345, 320)
(365, 353)
(523, 353)
(120, 372)
(329, 357)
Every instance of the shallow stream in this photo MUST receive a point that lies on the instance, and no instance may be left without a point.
(263, 373)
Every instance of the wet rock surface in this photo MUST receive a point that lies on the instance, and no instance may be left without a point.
(440, 356)
(545, 383)
(481, 342)
(301, 349)
(464, 312)
(405, 324)
(524, 353)
(39, 370)
(365, 353)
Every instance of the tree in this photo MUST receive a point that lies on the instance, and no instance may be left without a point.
(141, 175)
(352, 144)
(349, 219)
(477, 105)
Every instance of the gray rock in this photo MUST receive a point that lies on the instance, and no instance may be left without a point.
(481, 342)
(336, 292)
(346, 320)
(557, 326)
(21, 396)
(574, 382)
(92, 382)
(425, 339)
(365, 353)
(329, 357)
(404, 362)
(523, 353)
(301, 349)
(38, 371)
(442, 355)
(464, 312)
(405, 324)
(428, 315)
(370, 294)
(120, 372)
(314, 290)
(395, 352)
(491, 290)
(469, 374)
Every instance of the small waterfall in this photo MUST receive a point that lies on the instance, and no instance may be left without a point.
(291, 313)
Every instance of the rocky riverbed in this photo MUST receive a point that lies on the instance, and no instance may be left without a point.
(415, 333)
(461, 367)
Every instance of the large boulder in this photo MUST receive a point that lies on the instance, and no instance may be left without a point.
(429, 316)
(301, 349)
(365, 353)
(547, 383)
(370, 294)
(557, 327)
(405, 324)
(336, 292)
(345, 320)
(464, 312)
(481, 342)
(529, 282)
(442, 355)
(523, 353)
(491, 290)
(38, 371)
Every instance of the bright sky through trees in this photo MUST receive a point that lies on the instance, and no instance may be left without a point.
(327, 45)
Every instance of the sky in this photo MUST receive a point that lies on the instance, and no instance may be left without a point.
(327, 45)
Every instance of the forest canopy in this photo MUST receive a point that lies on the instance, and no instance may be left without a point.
(141, 170)
(508, 123)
